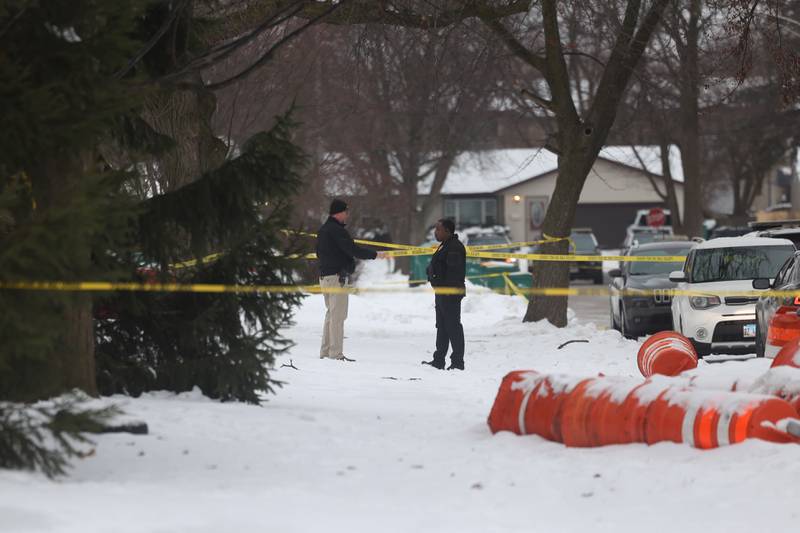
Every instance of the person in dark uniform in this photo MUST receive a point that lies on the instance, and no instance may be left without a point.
(447, 269)
(336, 253)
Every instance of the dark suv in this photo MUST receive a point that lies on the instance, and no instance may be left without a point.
(634, 315)
(778, 229)
(585, 244)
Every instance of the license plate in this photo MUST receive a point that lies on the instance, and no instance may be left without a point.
(749, 330)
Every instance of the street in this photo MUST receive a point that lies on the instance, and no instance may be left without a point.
(590, 308)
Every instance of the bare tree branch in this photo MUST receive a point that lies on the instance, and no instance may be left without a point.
(557, 75)
(269, 53)
(516, 47)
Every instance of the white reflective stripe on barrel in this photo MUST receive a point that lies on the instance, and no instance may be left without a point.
(521, 416)
(724, 427)
(658, 347)
(687, 429)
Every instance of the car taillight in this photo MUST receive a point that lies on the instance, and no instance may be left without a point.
(792, 302)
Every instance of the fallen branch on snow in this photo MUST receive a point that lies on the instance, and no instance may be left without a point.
(570, 342)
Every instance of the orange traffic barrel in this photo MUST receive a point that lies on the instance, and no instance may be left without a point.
(784, 328)
(667, 353)
(782, 381)
(545, 406)
(708, 419)
(505, 413)
(788, 355)
(576, 416)
(611, 411)
(600, 411)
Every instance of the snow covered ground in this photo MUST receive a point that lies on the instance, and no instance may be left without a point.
(387, 445)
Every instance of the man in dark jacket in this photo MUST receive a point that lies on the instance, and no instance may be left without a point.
(336, 253)
(447, 269)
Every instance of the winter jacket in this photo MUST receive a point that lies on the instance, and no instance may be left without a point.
(448, 265)
(336, 250)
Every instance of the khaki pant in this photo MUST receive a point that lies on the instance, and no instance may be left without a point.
(333, 331)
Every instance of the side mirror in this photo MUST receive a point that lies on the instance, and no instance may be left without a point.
(761, 283)
(677, 276)
(615, 273)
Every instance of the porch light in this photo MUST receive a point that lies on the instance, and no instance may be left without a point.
(517, 198)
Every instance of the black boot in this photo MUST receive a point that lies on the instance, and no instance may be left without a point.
(436, 363)
(456, 365)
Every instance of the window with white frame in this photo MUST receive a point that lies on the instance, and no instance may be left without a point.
(471, 211)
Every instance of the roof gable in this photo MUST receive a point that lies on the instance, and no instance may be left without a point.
(494, 170)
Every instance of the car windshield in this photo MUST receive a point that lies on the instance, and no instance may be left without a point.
(641, 268)
(584, 241)
(729, 264)
(645, 237)
(477, 240)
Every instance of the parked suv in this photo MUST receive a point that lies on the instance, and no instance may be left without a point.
(787, 279)
(713, 321)
(637, 315)
(585, 244)
(779, 229)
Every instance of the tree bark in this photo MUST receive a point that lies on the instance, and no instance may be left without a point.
(671, 196)
(185, 116)
(572, 172)
(435, 195)
(70, 365)
(579, 138)
(689, 130)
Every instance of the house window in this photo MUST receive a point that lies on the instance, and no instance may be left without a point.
(471, 211)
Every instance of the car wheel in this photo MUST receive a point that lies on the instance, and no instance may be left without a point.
(623, 324)
(613, 320)
(760, 348)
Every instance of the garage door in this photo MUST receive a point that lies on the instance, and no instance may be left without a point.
(608, 221)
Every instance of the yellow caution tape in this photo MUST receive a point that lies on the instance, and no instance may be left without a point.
(192, 262)
(513, 286)
(483, 247)
(480, 247)
(108, 286)
(418, 281)
(583, 258)
(405, 250)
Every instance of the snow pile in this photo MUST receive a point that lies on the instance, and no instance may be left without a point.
(386, 444)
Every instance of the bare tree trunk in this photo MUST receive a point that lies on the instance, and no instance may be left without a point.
(71, 363)
(77, 353)
(690, 127)
(690, 160)
(580, 137)
(671, 196)
(435, 195)
(572, 172)
(185, 116)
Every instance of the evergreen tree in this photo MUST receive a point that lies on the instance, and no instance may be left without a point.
(45, 436)
(62, 207)
(75, 81)
(223, 343)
